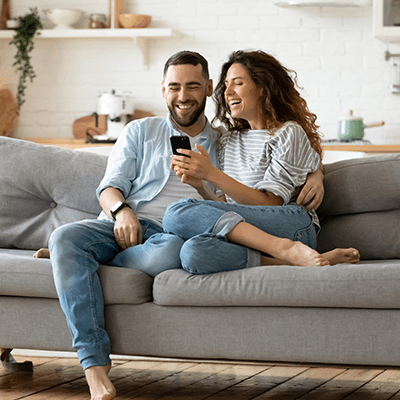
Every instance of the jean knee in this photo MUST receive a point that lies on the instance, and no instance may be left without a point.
(192, 257)
(174, 213)
(63, 243)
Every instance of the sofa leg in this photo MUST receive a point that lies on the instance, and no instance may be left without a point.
(9, 363)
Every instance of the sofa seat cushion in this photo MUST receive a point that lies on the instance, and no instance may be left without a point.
(371, 284)
(25, 276)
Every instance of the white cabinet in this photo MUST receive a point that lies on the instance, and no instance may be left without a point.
(139, 36)
(387, 20)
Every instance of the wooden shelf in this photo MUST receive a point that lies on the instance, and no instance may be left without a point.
(95, 33)
(139, 36)
(363, 148)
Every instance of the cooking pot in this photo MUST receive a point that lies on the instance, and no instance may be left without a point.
(352, 128)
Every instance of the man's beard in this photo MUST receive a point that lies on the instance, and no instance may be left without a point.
(190, 119)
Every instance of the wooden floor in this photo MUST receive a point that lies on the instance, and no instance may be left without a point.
(62, 378)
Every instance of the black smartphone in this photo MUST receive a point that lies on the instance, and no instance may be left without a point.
(180, 142)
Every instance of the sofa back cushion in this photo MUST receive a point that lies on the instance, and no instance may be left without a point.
(42, 188)
(361, 207)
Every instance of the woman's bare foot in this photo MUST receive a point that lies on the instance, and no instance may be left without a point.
(42, 253)
(100, 385)
(338, 256)
(297, 253)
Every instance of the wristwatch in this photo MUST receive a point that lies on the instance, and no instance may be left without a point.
(117, 207)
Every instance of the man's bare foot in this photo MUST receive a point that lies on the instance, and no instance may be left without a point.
(338, 256)
(42, 253)
(101, 388)
(297, 253)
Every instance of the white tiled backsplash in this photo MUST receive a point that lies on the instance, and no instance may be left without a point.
(338, 61)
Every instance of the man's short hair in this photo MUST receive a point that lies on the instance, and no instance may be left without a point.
(188, 57)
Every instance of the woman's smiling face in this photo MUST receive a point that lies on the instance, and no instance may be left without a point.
(243, 96)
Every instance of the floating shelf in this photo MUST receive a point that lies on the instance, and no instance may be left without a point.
(139, 36)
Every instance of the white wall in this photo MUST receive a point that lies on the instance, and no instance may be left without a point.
(339, 62)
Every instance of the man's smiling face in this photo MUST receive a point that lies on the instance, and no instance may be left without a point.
(185, 90)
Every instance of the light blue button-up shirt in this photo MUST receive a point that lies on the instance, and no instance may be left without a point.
(139, 164)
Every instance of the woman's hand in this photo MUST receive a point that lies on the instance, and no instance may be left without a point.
(197, 165)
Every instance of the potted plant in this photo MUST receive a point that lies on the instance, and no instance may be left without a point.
(23, 41)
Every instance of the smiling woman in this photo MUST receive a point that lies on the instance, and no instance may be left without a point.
(270, 146)
(243, 96)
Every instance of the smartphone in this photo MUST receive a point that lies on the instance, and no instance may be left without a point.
(180, 142)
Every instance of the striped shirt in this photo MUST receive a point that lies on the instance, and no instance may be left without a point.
(277, 164)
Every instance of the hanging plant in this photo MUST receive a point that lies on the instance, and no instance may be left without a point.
(23, 41)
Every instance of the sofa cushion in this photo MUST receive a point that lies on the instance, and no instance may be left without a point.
(361, 207)
(361, 185)
(43, 187)
(366, 285)
(25, 276)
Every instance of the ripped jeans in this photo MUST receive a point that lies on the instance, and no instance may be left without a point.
(204, 226)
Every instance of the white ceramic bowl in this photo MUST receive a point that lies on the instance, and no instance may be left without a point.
(64, 18)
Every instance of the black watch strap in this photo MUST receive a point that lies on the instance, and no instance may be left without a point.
(116, 208)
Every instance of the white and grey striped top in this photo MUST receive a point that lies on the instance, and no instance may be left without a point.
(278, 163)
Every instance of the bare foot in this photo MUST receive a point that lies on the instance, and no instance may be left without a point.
(297, 253)
(338, 256)
(42, 253)
(100, 385)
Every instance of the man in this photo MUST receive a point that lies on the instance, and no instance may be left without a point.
(137, 187)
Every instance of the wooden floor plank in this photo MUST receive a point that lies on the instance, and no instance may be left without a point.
(382, 387)
(301, 384)
(63, 379)
(215, 386)
(242, 372)
(44, 376)
(343, 384)
(151, 383)
(256, 385)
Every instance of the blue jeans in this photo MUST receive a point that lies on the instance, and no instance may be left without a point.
(76, 250)
(204, 226)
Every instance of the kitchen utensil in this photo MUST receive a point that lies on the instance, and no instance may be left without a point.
(89, 125)
(116, 8)
(5, 14)
(352, 128)
(63, 18)
(117, 106)
(134, 20)
(97, 21)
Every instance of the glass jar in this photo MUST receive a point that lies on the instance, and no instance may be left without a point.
(97, 21)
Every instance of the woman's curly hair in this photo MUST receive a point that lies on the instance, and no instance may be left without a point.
(280, 101)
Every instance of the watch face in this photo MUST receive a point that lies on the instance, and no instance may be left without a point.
(116, 206)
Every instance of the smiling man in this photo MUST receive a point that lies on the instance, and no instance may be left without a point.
(137, 187)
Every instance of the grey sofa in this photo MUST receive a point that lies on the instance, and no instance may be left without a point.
(345, 314)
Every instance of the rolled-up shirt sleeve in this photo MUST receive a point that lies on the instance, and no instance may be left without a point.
(292, 158)
(121, 166)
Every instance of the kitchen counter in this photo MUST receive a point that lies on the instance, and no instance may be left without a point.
(362, 147)
(67, 143)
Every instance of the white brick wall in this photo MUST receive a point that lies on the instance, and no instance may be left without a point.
(339, 63)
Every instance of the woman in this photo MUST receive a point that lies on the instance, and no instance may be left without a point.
(270, 146)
